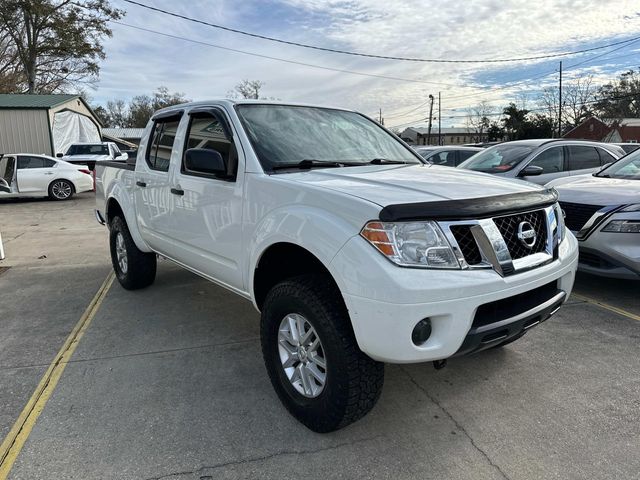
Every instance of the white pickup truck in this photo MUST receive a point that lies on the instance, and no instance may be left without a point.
(90, 153)
(354, 251)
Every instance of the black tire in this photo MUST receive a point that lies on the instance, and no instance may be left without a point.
(139, 271)
(61, 190)
(353, 380)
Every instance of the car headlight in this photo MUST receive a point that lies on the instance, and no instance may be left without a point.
(411, 244)
(560, 222)
(623, 226)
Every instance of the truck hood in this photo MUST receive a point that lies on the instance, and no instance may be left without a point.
(597, 190)
(395, 184)
(76, 158)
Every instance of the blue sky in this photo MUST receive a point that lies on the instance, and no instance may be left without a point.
(138, 62)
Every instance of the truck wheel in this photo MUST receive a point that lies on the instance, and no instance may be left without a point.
(60, 190)
(134, 268)
(312, 357)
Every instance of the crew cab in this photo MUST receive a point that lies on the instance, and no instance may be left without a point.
(90, 153)
(354, 251)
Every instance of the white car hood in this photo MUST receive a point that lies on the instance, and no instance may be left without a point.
(396, 184)
(592, 190)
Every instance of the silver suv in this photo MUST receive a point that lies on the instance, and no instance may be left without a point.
(543, 160)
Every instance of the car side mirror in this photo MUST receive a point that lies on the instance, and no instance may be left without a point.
(4, 186)
(123, 156)
(206, 161)
(59, 155)
(531, 171)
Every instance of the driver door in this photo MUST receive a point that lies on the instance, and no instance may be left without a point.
(553, 164)
(8, 177)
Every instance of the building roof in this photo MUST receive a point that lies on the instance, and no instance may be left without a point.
(24, 100)
(123, 132)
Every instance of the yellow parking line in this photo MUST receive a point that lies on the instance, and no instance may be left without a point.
(606, 306)
(13, 443)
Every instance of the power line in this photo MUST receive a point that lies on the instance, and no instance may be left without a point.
(369, 55)
(285, 60)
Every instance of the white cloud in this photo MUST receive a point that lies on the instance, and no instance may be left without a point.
(138, 62)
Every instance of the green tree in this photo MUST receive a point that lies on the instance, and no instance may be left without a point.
(620, 98)
(55, 44)
(514, 121)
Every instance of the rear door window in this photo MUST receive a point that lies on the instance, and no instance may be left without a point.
(583, 157)
(30, 162)
(605, 157)
(162, 138)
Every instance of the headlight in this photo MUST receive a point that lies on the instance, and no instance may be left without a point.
(560, 222)
(623, 226)
(411, 244)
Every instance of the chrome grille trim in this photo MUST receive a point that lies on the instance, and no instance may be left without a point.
(493, 247)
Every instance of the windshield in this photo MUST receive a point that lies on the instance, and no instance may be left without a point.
(286, 135)
(97, 149)
(628, 167)
(500, 158)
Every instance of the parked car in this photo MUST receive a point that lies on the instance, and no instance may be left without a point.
(628, 147)
(603, 210)
(31, 175)
(540, 161)
(448, 156)
(354, 251)
(90, 153)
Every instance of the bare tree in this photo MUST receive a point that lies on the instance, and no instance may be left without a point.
(247, 89)
(9, 66)
(548, 101)
(57, 43)
(577, 100)
(478, 120)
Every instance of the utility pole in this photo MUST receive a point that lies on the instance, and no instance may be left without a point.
(560, 104)
(439, 119)
(430, 118)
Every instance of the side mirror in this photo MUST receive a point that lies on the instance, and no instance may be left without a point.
(204, 160)
(4, 186)
(59, 155)
(123, 156)
(531, 171)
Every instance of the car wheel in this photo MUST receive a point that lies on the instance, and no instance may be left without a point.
(311, 355)
(134, 268)
(61, 190)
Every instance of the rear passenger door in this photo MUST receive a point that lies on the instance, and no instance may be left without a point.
(208, 207)
(154, 201)
(34, 174)
(583, 159)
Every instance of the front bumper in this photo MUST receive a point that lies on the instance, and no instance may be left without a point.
(385, 301)
(611, 254)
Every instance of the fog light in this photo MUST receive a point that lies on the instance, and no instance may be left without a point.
(421, 332)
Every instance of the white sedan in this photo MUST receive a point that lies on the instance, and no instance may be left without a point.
(31, 175)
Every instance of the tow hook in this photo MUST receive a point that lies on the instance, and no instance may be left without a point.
(439, 364)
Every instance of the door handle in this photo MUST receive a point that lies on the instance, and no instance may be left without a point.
(141, 184)
(48, 173)
(177, 191)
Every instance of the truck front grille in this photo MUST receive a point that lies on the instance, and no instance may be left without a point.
(577, 214)
(467, 244)
(499, 242)
(508, 227)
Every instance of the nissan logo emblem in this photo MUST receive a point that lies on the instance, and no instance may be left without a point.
(527, 235)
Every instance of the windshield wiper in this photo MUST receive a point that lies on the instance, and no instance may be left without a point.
(307, 164)
(386, 161)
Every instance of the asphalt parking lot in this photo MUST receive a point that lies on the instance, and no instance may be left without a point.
(168, 382)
